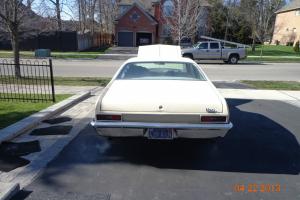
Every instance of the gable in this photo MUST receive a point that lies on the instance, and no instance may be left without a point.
(292, 5)
(137, 16)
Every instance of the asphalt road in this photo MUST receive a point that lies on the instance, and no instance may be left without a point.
(262, 149)
(216, 71)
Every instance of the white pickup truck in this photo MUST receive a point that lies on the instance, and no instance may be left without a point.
(214, 50)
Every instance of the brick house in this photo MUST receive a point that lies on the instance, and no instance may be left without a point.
(287, 24)
(139, 22)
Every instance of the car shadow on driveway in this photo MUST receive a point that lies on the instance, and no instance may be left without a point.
(256, 144)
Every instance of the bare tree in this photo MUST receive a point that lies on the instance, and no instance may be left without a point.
(29, 3)
(13, 14)
(96, 15)
(181, 17)
(260, 14)
(54, 6)
(231, 10)
(107, 10)
(266, 18)
(86, 13)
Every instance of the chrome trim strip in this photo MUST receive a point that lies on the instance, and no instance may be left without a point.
(105, 124)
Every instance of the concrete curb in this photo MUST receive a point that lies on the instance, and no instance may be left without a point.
(30, 122)
(8, 190)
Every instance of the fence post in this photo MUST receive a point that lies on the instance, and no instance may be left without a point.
(52, 80)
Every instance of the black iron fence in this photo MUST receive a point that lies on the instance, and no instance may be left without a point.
(31, 80)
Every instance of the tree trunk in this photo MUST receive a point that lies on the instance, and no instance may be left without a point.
(59, 25)
(16, 50)
(253, 44)
(226, 28)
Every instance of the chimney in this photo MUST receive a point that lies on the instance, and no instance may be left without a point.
(157, 12)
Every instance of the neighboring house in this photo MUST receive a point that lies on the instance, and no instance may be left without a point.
(140, 22)
(287, 25)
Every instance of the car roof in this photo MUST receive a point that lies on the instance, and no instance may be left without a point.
(158, 53)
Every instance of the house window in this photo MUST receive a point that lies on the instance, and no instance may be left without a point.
(297, 12)
(135, 17)
(168, 8)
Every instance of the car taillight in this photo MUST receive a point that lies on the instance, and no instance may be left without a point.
(211, 119)
(109, 117)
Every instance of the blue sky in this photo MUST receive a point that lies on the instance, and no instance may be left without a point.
(66, 15)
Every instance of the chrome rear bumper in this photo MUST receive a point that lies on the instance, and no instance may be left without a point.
(136, 129)
(159, 125)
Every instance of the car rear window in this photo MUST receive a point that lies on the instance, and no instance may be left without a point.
(160, 71)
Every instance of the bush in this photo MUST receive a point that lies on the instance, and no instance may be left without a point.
(297, 47)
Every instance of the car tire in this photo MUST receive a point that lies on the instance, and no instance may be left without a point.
(188, 56)
(233, 59)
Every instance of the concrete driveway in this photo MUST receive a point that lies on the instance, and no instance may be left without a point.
(216, 71)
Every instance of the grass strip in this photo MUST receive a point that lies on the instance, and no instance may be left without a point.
(13, 111)
(274, 85)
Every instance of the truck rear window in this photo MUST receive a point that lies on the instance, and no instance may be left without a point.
(214, 45)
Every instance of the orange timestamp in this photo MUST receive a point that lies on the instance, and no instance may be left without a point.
(258, 188)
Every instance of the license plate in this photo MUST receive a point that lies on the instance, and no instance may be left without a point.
(160, 134)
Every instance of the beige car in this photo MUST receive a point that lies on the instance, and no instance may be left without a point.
(161, 95)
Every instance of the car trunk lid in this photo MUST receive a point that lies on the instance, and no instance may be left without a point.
(165, 96)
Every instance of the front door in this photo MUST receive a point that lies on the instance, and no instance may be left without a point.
(214, 50)
(202, 51)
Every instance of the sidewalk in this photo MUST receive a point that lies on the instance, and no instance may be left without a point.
(291, 97)
(280, 95)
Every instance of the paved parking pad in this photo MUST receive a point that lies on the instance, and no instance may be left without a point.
(261, 150)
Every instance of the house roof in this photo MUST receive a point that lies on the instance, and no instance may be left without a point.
(148, 15)
(293, 5)
(146, 4)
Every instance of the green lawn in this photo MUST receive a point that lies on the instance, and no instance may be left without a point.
(273, 50)
(71, 81)
(274, 85)
(13, 111)
(273, 53)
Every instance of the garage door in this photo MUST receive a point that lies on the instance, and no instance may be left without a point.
(125, 39)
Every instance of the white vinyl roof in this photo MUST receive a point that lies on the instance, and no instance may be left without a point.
(160, 51)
